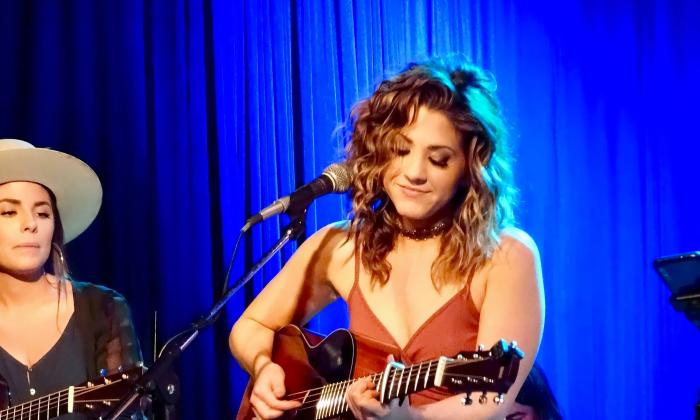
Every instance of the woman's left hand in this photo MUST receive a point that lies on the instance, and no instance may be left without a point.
(363, 399)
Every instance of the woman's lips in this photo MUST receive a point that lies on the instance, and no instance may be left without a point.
(411, 192)
(28, 245)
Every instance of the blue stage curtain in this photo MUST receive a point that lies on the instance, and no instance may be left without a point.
(196, 114)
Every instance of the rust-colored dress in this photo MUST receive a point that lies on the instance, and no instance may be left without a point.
(449, 330)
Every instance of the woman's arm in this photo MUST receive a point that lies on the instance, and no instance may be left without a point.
(299, 291)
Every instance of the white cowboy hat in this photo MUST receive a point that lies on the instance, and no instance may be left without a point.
(76, 186)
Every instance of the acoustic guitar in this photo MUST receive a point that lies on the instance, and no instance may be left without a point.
(318, 371)
(93, 398)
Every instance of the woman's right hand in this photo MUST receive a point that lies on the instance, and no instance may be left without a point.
(267, 392)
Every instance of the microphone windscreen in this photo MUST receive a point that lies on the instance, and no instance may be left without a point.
(340, 176)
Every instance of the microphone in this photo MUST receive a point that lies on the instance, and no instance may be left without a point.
(335, 178)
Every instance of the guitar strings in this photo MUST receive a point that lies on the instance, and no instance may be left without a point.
(35, 406)
(311, 397)
(373, 377)
(341, 405)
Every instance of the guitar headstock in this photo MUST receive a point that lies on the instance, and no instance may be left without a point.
(97, 397)
(492, 370)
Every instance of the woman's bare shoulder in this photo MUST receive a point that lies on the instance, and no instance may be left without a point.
(516, 244)
(330, 244)
(334, 234)
(336, 250)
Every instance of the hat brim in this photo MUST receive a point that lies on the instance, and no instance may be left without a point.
(76, 186)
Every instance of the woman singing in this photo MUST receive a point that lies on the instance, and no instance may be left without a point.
(430, 261)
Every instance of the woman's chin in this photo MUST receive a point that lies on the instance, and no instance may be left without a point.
(413, 218)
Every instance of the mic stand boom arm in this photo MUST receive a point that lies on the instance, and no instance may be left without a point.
(147, 384)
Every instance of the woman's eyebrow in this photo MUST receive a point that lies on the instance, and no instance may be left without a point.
(440, 147)
(17, 202)
(432, 147)
(405, 138)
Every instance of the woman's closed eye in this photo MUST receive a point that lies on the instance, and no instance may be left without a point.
(440, 162)
(8, 213)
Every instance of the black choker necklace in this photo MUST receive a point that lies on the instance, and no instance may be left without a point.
(425, 233)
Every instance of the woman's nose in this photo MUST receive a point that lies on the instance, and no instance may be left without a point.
(29, 223)
(414, 168)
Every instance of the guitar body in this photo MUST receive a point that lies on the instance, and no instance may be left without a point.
(311, 361)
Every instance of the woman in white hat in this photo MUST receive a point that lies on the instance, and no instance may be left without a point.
(54, 332)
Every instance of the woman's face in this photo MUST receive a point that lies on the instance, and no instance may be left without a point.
(26, 228)
(427, 171)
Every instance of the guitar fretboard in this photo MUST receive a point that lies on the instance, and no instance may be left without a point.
(329, 400)
(46, 407)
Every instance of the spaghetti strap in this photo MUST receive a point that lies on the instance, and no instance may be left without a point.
(357, 271)
(356, 280)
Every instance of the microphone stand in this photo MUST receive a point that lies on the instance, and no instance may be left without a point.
(151, 381)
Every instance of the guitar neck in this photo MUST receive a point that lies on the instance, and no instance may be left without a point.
(396, 381)
(46, 407)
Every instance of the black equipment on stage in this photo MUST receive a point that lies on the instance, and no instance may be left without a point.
(681, 273)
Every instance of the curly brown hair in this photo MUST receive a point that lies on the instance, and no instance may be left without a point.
(466, 95)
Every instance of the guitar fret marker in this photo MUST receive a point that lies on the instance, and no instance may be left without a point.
(442, 362)
(71, 391)
(393, 380)
(415, 387)
(382, 387)
(427, 375)
(408, 380)
(398, 387)
(395, 366)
